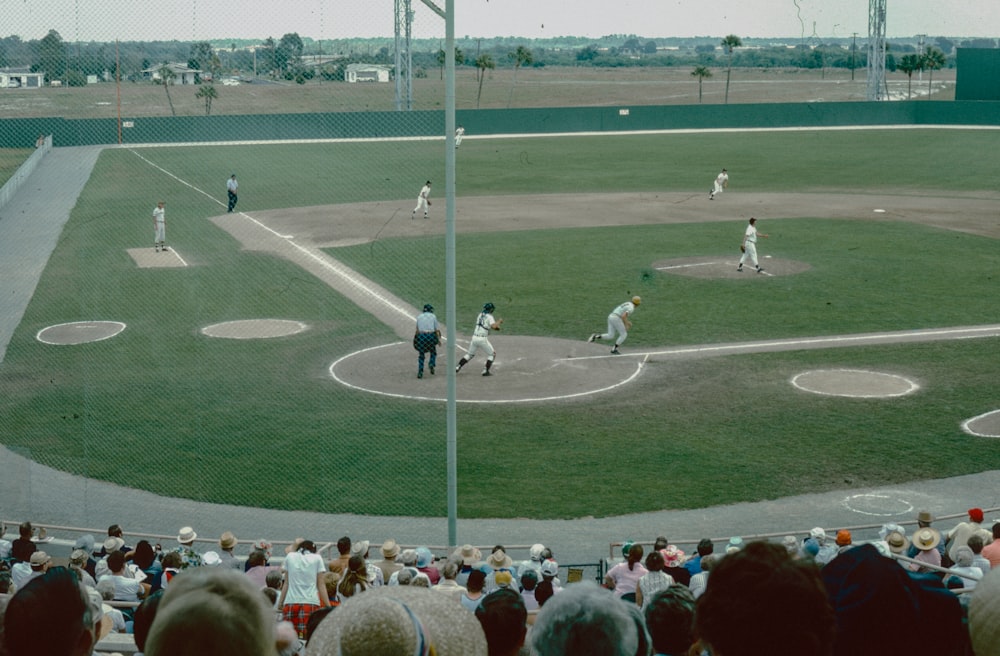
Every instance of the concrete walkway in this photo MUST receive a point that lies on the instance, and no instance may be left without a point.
(29, 230)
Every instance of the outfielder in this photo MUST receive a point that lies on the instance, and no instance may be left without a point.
(426, 338)
(159, 227)
(480, 339)
(423, 200)
(721, 182)
(749, 246)
(619, 323)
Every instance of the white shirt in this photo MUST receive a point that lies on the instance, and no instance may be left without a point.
(484, 324)
(721, 179)
(425, 191)
(301, 569)
(232, 185)
(427, 323)
(623, 309)
(158, 214)
(751, 234)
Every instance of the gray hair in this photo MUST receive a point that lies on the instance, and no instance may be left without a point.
(586, 620)
(107, 589)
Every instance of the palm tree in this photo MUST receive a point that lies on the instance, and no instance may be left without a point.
(519, 56)
(908, 64)
(167, 77)
(932, 60)
(459, 59)
(208, 93)
(729, 44)
(483, 62)
(701, 72)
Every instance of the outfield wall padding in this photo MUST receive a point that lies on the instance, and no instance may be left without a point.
(21, 133)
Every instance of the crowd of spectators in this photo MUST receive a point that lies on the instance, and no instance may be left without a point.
(817, 594)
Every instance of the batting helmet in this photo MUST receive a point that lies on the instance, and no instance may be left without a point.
(428, 307)
(489, 307)
(636, 300)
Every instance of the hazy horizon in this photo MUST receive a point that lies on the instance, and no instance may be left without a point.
(322, 20)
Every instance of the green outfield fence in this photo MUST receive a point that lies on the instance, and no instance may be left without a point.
(21, 133)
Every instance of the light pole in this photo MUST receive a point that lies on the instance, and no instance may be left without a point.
(854, 49)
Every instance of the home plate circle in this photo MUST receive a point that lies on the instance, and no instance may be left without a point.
(854, 383)
(254, 329)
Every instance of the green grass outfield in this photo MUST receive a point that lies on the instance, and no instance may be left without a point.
(260, 423)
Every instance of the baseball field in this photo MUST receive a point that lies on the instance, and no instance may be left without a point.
(870, 232)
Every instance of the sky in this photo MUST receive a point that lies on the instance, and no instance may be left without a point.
(187, 20)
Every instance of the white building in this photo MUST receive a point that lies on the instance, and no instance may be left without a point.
(367, 73)
(182, 74)
(20, 78)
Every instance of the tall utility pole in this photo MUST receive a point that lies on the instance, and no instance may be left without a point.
(404, 57)
(876, 50)
(854, 50)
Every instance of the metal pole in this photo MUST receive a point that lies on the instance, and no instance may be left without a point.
(449, 263)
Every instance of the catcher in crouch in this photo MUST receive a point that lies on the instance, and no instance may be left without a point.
(480, 339)
(749, 246)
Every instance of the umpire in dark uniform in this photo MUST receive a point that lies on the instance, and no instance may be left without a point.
(426, 338)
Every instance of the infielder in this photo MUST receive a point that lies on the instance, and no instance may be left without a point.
(159, 227)
(426, 338)
(749, 246)
(721, 182)
(232, 188)
(619, 323)
(480, 339)
(423, 200)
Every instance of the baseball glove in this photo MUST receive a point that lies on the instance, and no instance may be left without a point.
(743, 249)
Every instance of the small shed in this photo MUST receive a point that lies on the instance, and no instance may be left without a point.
(21, 78)
(367, 73)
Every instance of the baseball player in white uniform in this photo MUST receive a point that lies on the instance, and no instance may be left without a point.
(459, 133)
(721, 182)
(619, 323)
(159, 227)
(749, 246)
(480, 339)
(423, 200)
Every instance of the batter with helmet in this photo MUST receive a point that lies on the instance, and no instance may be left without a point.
(619, 323)
(426, 338)
(480, 339)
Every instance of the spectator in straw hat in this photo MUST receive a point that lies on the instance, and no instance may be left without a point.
(498, 560)
(926, 541)
(467, 556)
(924, 520)
(38, 563)
(227, 543)
(189, 556)
(388, 565)
(398, 620)
(376, 577)
(673, 559)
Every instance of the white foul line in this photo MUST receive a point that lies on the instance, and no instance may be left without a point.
(901, 336)
(322, 259)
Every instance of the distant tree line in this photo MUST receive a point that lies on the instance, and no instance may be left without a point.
(294, 58)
